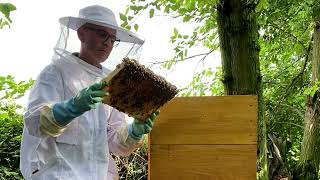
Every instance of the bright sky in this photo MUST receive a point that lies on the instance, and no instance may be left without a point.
(26, 48)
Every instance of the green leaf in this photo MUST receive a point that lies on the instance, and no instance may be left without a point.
(175, 31)
(4, 23)
(136, 26)
(128, 27)
(167, 9)
(151, 13)
(124, 24)
(11, 7)
(123, 17)
(127, 10)
(4, 116)
(158, 7)
(186, 18)
(175, 7)
(141, 7)
(5, 9)
(262, 5)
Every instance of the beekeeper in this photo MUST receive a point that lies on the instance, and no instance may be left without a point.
(68, 133)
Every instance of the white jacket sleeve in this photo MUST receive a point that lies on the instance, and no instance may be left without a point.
(120, 143)
(47, 90)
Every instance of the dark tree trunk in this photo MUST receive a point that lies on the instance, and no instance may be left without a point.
(238, 32)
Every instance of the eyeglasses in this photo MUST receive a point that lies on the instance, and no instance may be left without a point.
(105, 35)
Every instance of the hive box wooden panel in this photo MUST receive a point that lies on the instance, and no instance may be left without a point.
(198, 138)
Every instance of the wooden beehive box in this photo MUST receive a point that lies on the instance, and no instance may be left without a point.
(201, 138)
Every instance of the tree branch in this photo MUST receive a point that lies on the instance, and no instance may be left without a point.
(201, 60)
(180, 60)
(297, 77)
(275, 26)
(282, 71)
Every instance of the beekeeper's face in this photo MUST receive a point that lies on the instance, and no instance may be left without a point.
(97, 41)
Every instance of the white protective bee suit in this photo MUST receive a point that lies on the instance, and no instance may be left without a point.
(81, 150)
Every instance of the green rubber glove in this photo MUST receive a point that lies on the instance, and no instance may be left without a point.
(138, 128)
(85, 100)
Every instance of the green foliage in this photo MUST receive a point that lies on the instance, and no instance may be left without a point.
(10, 135)
(5, 9)
(136, 165)
(11, 90)
(205, 83)
(11, 121)
(285, 43)
(203, 12)
(310, 91)
(306, 171)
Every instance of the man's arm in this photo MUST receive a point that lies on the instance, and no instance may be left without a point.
(124, 138)
(55, 119)
(46, 91)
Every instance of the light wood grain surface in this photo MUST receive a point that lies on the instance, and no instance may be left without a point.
(207, 120)
(205, 138)
(200, 162)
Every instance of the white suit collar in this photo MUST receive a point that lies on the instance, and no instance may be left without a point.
(67, 56)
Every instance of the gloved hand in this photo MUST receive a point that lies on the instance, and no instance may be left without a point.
(85, 100)
(138, 128)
